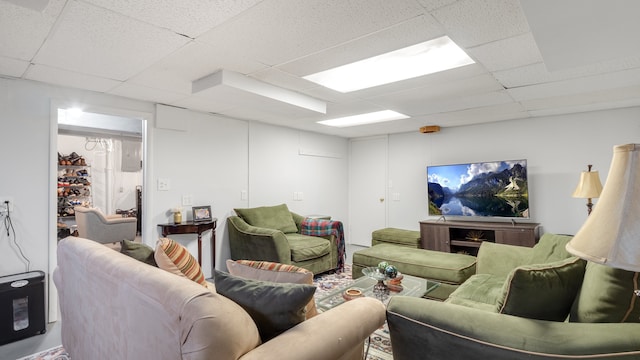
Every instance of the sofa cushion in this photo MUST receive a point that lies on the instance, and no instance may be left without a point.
(550, 248)
(542, 291)
(304, 247)
(138, 251)
(271, 217)
(274, 272)
(607, 296)
(176, 259)
(274, 308)
(480, 291)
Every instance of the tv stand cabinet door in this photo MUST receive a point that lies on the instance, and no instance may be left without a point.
(434, 237)
(516, 236)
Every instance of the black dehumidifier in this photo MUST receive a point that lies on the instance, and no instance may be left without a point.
(21, 306)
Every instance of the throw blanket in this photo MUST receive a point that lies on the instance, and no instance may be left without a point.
(319, 227)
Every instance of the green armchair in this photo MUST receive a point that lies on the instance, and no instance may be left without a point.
(273, 234)
(524, 303)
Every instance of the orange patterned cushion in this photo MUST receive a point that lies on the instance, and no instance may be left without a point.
(176, 259)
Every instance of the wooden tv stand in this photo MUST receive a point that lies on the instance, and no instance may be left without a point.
(467, 236)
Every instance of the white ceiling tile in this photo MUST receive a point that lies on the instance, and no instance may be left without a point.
(278, 31)
(587, 99)
(145, 93)
(509, 111)
(593, 30)
(508, 53)
(473, 22)
(419, 29)
(188, 17)
(613, 80)
(13, 67)
(191, 62)
(431, 5)
(419, 100)
(69, 78)
(23, 30)
(96, 41)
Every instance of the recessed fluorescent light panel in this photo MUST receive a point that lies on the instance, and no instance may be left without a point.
(362, 119)
(421, 59)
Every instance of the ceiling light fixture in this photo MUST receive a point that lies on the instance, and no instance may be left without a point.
(225, 82)
(362, 119)
(417, 60)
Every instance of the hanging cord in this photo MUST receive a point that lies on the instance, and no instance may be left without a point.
(8, 225)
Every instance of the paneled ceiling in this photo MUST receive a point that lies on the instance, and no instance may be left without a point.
(533, 57)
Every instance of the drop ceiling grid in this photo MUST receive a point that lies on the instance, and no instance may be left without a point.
(277, 31)
(407, 33)
(188, 17)
(474, 22)
(72, 79)
(24, 30)
(509, 53)
(96, 41)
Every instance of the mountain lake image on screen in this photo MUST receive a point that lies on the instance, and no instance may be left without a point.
(484, 189)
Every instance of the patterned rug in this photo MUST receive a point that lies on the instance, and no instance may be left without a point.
(380, 347)
(55, 353)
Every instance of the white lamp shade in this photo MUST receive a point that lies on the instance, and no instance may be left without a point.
(611, 234)
(589, 187)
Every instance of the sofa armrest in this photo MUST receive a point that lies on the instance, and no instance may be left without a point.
(249, 242)
(500, 259)
(335, 334)
(450, 331)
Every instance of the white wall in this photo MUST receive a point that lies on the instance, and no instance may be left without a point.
(557, 148)
(214, 159)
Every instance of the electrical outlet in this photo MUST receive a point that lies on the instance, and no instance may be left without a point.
(164, 184)
(187, 200)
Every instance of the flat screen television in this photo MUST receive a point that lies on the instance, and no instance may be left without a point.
(491, 189)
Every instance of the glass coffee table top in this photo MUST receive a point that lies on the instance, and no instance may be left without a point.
(411, 286)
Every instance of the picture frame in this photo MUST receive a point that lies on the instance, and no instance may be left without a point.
(201, 213)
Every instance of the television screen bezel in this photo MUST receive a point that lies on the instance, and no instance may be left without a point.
(482, 217)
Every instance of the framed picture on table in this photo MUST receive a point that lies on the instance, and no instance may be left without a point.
(201, 213)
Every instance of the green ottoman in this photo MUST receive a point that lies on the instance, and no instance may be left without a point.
(449, 269)
(395, 236)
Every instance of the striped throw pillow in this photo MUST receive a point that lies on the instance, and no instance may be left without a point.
(176, 259)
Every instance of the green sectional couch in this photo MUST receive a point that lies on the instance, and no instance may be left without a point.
(524, 303)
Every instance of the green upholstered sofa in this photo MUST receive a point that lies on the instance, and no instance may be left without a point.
(524, 303)
(272, 233)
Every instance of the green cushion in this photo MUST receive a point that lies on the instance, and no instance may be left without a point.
(480, 291)
(542, 291)
(402, 237)
(305, 247)
(607, 296)
(271, 217)
(139, 252)
(274, 307)
(550, 248)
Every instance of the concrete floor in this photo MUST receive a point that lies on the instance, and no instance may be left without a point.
(51, 338)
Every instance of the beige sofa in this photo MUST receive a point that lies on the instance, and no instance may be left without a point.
(115, 307)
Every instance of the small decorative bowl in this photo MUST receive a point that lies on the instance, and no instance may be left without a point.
(352, 293)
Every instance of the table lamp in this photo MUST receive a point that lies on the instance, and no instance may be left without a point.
(611, 235)
(589, 187)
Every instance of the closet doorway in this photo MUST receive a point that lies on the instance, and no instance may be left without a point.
(99, 166)
(109, 140)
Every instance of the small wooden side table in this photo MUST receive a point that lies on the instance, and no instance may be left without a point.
(189, 227)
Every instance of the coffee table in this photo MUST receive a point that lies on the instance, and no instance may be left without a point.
(411, 286)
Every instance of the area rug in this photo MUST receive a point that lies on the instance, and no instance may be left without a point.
(55, 353)
(380, 343)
